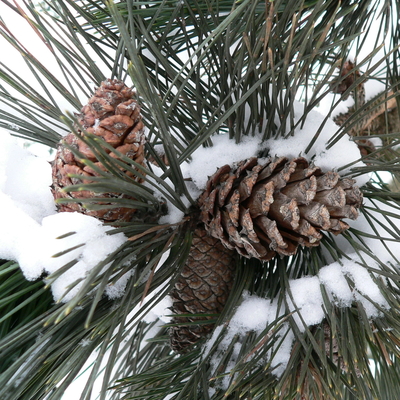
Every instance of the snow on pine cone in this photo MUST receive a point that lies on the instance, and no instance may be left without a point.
(202, 288)
(113, 115)
(264, 209)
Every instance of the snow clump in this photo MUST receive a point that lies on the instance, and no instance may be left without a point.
(33, 233)
(305, 304)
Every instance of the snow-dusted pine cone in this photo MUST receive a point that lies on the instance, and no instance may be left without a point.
(202, 288)
(113, 115)
(261, 209)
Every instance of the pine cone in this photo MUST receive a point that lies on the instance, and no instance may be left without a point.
(202, 288)
(261, 210)
(343, 82)
(113, 115)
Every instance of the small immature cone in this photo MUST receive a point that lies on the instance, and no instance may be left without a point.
(113, 115)
(261, 210)
(202, 288)
(343, 83)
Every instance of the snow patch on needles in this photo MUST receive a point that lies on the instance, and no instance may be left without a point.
(305, 295)
(254, 314)
(335, 283)
(117, 289)
(346, 284)
(31, 227)
(206, 160)
(342, 153)
(89, 244)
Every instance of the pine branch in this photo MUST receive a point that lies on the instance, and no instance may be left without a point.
(204, 69)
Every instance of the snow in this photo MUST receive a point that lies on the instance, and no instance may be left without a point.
(330, 99)
(161, 311)
(346, 284)
(333, 277)
(31, 226)
(335, 283)
(253, 314)
(174, 215)
(342, 153)
(22, 173)
(305, 295)
(206, 160)
(365, 286)
(95, 245)
(115, 291)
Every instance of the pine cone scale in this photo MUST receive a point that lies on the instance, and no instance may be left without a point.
(285, 211)
(247, 224)
(303, 191)
(335, 197)
(316, 214)
(260, 200)
(343, 212)
(328, 181)
(248, 182)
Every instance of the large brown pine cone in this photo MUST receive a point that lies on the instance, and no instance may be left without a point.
(202, 288)
(263, 209)
(113, 115)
